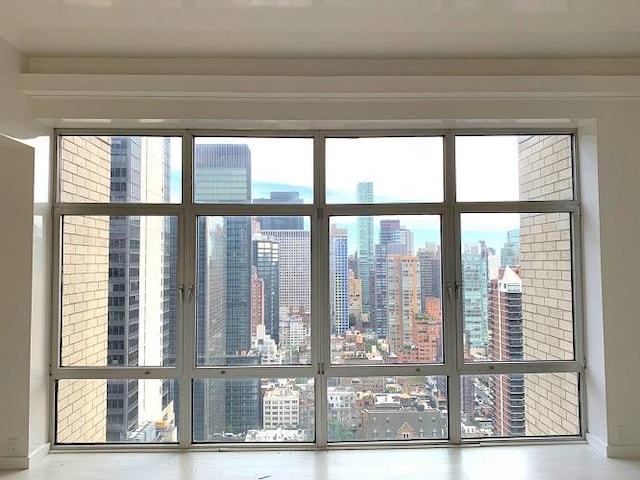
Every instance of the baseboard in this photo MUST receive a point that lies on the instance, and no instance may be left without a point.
(612, 451)
(623, 452)
(23, 463)
(38, 453)
(14, 463)
(597, 443)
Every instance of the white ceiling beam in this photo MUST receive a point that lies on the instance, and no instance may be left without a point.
(327, 87)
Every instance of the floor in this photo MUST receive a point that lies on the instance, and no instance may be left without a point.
(548, 462)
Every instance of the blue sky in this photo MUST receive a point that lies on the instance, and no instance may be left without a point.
(401, 169)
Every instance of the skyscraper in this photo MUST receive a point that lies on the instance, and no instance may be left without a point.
(266, 260)
(222, 174)
(430, 273)
(474, 295)
(281, 222)
(510, 253)
(142, 284)
(294, 283)
(403, 298)
(389, 243)
(505, 333)
(280, 303)
(339, 280)
(364, 194)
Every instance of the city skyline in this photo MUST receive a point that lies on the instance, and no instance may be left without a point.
(252, 309)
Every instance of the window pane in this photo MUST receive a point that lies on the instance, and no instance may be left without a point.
(384, 170)
(385, 289)
(119, 291)
(253, 292)
(514, 167)
(253, 410)
(115, 411)
(120, 169)
(387, 408)
(253, 170)
(517, 286)
(518, 405)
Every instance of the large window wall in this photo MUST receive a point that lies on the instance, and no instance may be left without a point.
(316, 287)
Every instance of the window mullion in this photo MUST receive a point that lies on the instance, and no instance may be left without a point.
(321, 332)
(186, 308)
(452, 322)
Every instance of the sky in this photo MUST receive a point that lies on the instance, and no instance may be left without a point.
(402, 169)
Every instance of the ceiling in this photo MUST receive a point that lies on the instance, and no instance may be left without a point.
(324, 28)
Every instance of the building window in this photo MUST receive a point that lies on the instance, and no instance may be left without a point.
(419, 278)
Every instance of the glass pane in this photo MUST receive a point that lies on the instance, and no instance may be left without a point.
(253, 292)
(117, 411)
(384, 170)
(119, 291)
(258, 170)
(514, 167)
(385, 293)
(120, 169)
(253, 410)
(520, 404)
(517, 286)
(387, 408)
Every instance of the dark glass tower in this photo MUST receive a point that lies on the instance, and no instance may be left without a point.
(124, 303)
(223, 175)
(281, 222)
(365, 246)
(389, 239)
(124, 283)
(267, 263)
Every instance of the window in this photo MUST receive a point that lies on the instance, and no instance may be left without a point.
(317, 288)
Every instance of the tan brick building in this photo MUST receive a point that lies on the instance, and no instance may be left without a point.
(85, 176)
(551, 400)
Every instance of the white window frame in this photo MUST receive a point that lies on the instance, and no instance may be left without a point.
(320, 212)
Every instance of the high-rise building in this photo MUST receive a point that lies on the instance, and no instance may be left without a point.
(389, 243)
(257, 301)
(430, 273)
(339, 281)
(266, 260)
(355, 301)
(406, 240)
(510, 253)
(141, 284)
(505, 334)
(389, 231)
(281, 222)
(223, 175)
(474, 295)
(403, 299)
(294, 282)
(364, 194)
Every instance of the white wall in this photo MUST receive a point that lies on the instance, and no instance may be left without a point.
(619, 181)
(605, 109)
(26, 213)
(16, 217)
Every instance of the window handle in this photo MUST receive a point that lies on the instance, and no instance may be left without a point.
(189, 292)
(452, 289)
